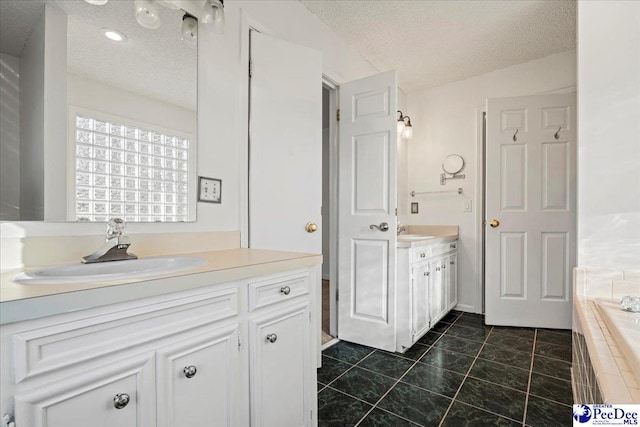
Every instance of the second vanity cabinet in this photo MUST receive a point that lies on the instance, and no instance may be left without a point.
(427, 288)
(235, 354)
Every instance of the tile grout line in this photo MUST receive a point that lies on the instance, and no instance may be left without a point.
(401, 377)
(526, 398)
(453, 399)
(350, 368)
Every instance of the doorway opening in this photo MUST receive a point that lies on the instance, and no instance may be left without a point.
(329, 212)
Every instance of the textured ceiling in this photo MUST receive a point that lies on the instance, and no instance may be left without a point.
(431, 43)
(153, 63)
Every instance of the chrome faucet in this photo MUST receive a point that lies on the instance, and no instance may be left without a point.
(401, 228)
(115, 248)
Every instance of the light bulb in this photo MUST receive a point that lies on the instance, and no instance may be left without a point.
(189, 30)
(400, 125)
(147, 15)
(97, 2)
(407, 132)
(213, 15)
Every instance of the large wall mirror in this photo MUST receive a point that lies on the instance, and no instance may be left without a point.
(98, 111)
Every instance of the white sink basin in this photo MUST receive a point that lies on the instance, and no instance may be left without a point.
(414, 236)
(113, 270)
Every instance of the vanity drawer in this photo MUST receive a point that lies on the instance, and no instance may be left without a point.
(277, 289)
(443, 248)
(420, 254)
(100, 333)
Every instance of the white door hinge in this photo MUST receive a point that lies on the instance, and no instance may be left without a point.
(250, 68)
(338, 115)
(239, 342)
(337, 294)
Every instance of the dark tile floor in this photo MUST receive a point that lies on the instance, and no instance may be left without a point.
(461, 373)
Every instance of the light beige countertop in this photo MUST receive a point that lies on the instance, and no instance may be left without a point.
(21, 302)
(433, 234)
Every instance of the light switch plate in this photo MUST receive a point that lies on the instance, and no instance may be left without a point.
(466, 205)
(209, 190)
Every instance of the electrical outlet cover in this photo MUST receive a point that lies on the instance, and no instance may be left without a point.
(209, 190)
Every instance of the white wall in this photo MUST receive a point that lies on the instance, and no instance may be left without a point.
(222, 125)
(9, 137)
(609, 135)
(32, 125)
(444, 122)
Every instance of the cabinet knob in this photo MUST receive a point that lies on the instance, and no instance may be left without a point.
(285, 290)
(190, 371)
(453, 246)
(426, 273)
(121, 400)
(437, 268)
(272, 338)
(444, 266)
(423, 255)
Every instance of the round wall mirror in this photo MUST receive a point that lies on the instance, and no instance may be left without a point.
(453, 164)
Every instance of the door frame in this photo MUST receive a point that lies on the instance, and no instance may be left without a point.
(329, 81)
(481, 194)
(334, 98)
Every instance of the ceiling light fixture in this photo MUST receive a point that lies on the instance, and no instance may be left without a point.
(97, 2)
(189, 30)
(114, 35)
(213, 15)
(147, 15)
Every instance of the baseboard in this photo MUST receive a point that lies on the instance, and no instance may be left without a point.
(466, 308)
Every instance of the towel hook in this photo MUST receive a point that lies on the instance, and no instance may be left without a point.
(557, 136)
(515, 138)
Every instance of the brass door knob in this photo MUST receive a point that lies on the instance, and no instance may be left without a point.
(311, 227)
(494, 223)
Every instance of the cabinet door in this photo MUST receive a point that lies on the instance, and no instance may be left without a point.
(420, 284)
(197, 380)
(438, 290)
(452, 281)
(280, 368)
(121, 394)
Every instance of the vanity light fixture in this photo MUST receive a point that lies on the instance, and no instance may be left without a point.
(407, 132)
(400, 122)
(213, 15)
(189, 30)
(147, 15)
(113, 35)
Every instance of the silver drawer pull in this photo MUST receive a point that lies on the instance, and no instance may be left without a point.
(426, 273)
(453, 246)
(423, 255)
(452, 262)
(285, 290)
(121, 400)
(190, 371)
(272, 338)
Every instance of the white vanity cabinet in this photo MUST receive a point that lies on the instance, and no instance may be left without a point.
(234, 354)
(427, 288)
(280, 351)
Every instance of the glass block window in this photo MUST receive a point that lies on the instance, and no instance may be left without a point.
(129, 172)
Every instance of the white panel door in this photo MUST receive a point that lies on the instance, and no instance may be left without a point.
(285, 147)
(367, 202)
(531, 192)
